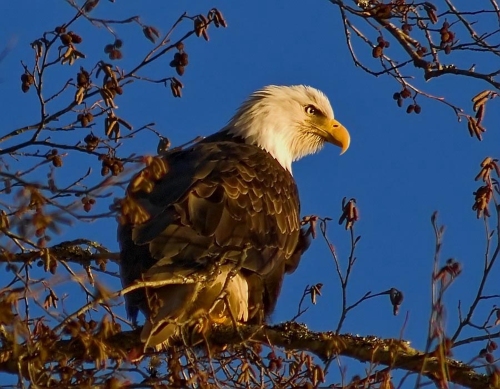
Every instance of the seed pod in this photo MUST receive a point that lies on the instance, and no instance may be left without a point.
(178, 82)
(91, 142)
(57, 161)
(65, 39)
(184, 59)
(104, 171)
(405, 93)
(176, 91)
(127, 125)
(406, 28)
(115, 54)
(418, 109)
(204, 20)
(83, 78)
(38, 47)
(220, 18)
(163, 145)
(90, 5)
(480, 95)
(75, 38)
(198, 27)
(486, 161)
(80, 95)
(410, 108)
(474, 128)
(151, 33)
(377, 52)
(480, 113)
(431, 14)
(479, 103)
(84, 121)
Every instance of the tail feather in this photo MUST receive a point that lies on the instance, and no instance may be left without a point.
(184, 305)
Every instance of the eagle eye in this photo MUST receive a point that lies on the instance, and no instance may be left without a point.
(311, 110)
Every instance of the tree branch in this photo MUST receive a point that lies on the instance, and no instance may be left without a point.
(394, 353)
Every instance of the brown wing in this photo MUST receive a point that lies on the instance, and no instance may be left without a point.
(218, 202)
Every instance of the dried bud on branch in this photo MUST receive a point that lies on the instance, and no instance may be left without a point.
(163, 145)
(71, 55)
(217, 17)
(315, 291)
(87, 203)
(176, 87)
(349, 213)
(475, 128)
(479, 104)
(54, 157)
(396, 297)
(448, 272)
(27, 80)
(151, 33)
(91, 142)
(112, 126)
(487, 166)
(431, 9)
(482, 199)
(90, 5)
(110, 164)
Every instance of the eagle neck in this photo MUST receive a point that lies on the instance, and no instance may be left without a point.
(278, 148)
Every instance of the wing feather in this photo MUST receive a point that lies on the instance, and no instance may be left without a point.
(219, 202)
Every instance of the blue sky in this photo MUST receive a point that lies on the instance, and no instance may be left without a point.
(400, 167)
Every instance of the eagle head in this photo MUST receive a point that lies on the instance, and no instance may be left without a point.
(289, 122)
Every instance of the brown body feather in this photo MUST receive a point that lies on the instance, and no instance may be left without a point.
(224, 208)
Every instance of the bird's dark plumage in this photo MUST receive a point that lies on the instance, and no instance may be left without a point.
(225, 209)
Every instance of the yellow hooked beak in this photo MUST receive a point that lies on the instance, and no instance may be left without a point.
(337, 134)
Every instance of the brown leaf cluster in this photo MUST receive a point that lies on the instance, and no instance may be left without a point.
(484, 194)
(474, 124)
(69, 40)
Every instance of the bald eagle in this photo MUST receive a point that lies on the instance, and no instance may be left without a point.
(225, 209)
